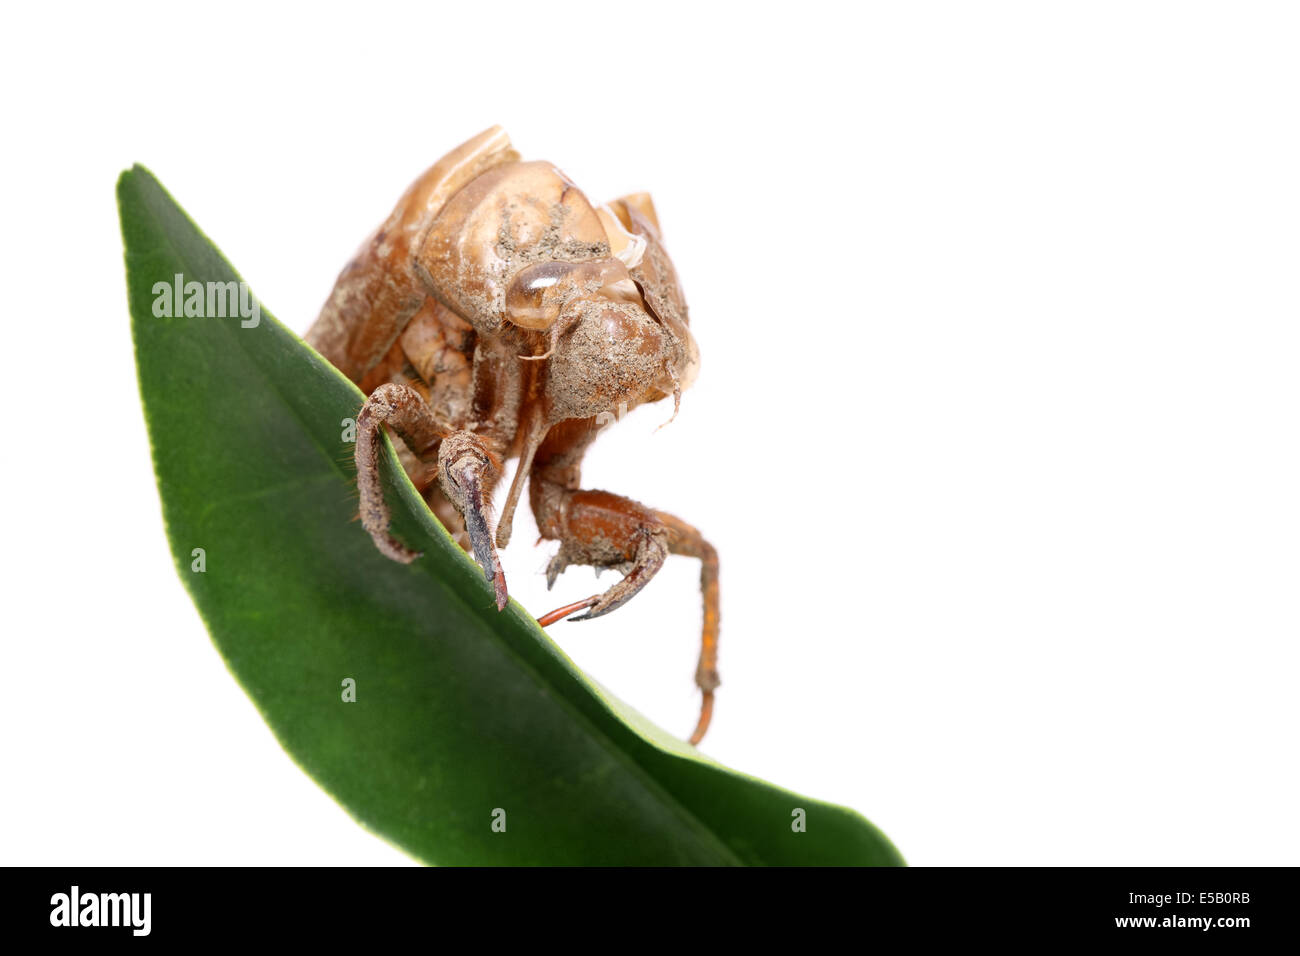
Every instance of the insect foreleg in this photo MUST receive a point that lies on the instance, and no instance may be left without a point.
(607, 530)
(467, 473)
(405, 411)
(687, 540)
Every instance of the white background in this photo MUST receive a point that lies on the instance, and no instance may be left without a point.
(996, 430)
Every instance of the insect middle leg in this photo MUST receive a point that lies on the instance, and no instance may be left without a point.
(467, 472)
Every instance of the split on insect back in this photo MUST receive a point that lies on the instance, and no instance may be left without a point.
(498, 314)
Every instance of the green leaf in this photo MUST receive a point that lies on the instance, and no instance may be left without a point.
(460, 710)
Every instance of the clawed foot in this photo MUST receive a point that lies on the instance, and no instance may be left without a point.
(649, 557)
(647, 538)
(465, 472)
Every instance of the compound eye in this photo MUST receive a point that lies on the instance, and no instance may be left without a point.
(534, 298)
(539, 292)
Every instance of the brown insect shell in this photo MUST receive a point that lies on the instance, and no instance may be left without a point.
(539, 292)
(503, 221)
(634, 218)
(610, 352)
(521, 245)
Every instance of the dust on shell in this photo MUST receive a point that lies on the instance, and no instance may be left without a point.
(613, 352)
